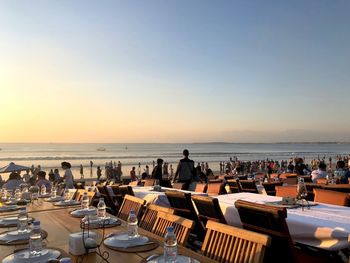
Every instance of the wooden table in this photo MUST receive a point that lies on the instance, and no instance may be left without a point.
(38, 206)
(59, 224)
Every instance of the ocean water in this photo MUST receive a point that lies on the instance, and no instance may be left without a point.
(50, 155)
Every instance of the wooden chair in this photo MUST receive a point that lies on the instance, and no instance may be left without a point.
(234, 185)
(80, 194)
(270, 188)
(200, 188)
(150, 216)
(180, 186)
(331, 197)
(126, 181)
(110, 204)
(148, 182)
(242, 177)
(182, 226)
(286, 191)
(228, 244)
(274, 176)
(72, 193)
(208, 209)
(322, 181)
(248, 186)
(131, 203)
(183, 206)
(271, 220)
(216, 188)
(134, 183)
(310, 190)
(291, 179)
(120, 191)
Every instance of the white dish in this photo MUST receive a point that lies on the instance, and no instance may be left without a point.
(8, 208)
(66, 203)
(122, 240)
(55, 199)
(24, 256)
(179, 259)
(83, 212)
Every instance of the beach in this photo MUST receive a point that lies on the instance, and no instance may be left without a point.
(50, 155)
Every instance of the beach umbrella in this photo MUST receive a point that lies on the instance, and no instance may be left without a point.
(12, 167)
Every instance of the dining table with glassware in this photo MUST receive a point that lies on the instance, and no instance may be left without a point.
(59, 225)
(319, 225)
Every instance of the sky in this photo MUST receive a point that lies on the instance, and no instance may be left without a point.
(174, 71)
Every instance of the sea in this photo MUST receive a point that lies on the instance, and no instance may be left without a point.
(50, 155)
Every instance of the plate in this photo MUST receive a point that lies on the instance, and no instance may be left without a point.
(56, 199)
(106, 222)
(7, 208)
(45, 195)
(67, 203)
(23, 256)
(121, 242)
(179, 259)
(11, 221)
(83, 212)
(10, 238)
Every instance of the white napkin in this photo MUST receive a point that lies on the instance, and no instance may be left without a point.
(83, 212)
(122, 241)
(179, 259)
(14, 235)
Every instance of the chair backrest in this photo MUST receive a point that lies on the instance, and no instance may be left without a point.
(291, 180)
(134, 183)
(80, 194)
(182, 226)
(72, 193)
(248, 186)
(208, 209)
(131, 203)
(183, 206)
(216, 188)
(200, 188)
(331, 197)
(148, 182)
(230, 244)
(322, 181)
(243, 177)
(180, 186)
(150, 216)
(274, 175)
(286, 191)
(269, 220)
(270, 188)
(122, 190)
(234, 185)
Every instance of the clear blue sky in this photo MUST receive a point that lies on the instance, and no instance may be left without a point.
(169, 71)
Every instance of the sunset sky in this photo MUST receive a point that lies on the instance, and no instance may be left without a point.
(174, 71)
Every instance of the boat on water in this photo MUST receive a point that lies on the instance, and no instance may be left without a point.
(101, 149)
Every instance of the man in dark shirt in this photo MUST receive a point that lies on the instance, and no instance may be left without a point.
(185, 170)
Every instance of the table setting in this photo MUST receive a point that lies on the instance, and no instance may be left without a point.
(24, 256)
(123, 243)
(67, 203)
(15, 237)
(12, 221)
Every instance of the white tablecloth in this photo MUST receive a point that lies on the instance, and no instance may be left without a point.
(158, 198)
(324, 226)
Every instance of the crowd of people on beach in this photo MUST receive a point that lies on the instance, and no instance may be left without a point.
(186, 171)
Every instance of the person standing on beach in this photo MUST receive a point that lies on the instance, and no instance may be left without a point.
(68, 176)
(133, 174)
(99, 172)
(157, 172)
(185, 170)
(81, 171)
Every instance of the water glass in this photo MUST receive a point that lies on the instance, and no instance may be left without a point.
(53, 192)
